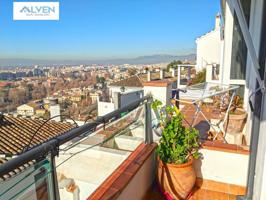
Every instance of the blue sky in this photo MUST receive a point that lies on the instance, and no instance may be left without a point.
(90, 29)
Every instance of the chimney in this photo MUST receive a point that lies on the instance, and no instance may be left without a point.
(217, 21)
(55, 109)
(148, 75)
(161, 74)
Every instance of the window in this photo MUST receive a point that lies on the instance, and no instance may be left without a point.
(239, 48)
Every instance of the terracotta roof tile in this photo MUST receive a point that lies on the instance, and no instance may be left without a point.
(133, 81)
(15, 133)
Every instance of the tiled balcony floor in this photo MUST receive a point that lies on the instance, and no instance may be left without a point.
(202, 194)
(197, 194)
(200, 123)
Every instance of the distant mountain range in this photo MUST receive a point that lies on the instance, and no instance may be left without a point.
(153, 59)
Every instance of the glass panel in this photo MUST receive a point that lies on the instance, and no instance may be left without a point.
(82, 166)
(34, 183)
(239, 48)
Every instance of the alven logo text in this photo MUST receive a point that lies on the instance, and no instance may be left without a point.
(37, 10)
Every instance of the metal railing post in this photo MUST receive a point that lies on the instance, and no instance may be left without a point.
(54, 176)
(148, 122)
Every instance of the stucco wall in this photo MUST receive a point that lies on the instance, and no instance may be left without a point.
(208, 49)
(105, 108)
(162, 94)
(142, 181)
(223, 167)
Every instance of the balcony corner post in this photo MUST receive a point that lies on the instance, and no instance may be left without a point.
(148, 121)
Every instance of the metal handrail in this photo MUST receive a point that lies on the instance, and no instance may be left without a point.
(52, 145)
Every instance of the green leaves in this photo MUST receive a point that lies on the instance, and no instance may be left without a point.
(177, 143)
(156, 104)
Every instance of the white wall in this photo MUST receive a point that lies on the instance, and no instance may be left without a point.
(223, 167)
(227, 49)
(25, 110)
(105, 108)
(164, 94)
(208, 49)
(141, 182)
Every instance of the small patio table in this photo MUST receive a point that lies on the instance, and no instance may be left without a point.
(203, 92)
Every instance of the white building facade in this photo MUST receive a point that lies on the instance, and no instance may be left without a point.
(209, 47)
(26, 110)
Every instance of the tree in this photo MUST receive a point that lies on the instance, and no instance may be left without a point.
(173, 64)
(39, 92)
(100, 79)
(17, 96)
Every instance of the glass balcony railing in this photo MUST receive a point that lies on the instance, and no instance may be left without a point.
(96, 156)
(34, 182)
(87, 155)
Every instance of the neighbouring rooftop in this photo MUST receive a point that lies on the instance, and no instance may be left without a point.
(141, 79)
(16, 132)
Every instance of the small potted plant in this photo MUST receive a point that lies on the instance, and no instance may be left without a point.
(237, 116)
(177, 149)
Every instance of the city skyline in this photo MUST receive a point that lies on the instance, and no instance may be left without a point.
(89, 30)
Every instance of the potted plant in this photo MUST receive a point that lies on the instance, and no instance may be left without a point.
(177, 149)
(236, 118)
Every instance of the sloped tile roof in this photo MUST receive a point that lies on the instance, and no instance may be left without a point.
(133, 81)
(16, 132)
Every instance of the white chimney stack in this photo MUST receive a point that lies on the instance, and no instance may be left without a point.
(217, 21)
(161, 74)
(55, 111)
(148, 75)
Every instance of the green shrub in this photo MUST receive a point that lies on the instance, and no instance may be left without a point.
(177, 143)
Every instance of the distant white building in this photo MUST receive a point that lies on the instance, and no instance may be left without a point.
(27, 110)
(209, 46)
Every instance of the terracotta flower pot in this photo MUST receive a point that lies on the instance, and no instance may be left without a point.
(235, 122)
(176, 179)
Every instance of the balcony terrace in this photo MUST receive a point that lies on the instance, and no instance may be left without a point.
(113, 158)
